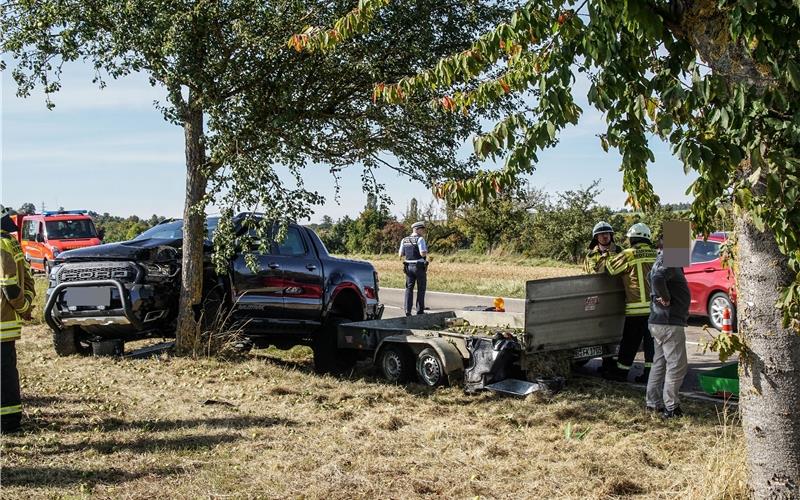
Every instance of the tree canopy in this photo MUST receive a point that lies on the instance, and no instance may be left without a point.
(719, 80)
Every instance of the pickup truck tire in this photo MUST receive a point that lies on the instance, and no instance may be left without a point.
(430, 369)
(215, 311)
(396, 364)
(328, 358)
(69, 341)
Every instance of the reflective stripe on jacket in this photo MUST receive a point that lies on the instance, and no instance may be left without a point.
(634, 264)
(16, 288)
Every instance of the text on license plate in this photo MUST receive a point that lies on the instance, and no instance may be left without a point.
(88, 296)
(588, 352)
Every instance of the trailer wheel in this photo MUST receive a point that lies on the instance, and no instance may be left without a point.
(430, 369)
(71, 341)
(395, 364)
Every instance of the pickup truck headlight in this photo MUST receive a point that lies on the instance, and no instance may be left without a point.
(157, 271)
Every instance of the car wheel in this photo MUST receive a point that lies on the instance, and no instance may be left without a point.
(716, 307)
(430, 370)
(71, 341)
(328, 358)
(395, 364)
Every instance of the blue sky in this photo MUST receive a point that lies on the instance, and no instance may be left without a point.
(111, 151)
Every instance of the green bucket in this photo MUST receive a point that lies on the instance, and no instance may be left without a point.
(722, 381)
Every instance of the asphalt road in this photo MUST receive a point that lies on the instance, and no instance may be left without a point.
(695, 335)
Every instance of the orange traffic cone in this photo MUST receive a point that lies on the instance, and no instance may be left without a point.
(727, 324)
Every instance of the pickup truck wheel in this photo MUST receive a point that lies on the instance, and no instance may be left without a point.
(430, 369)
(328, 358)
(71, 341)
(395, 364)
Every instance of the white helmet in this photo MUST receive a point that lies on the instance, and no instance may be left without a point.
(640, 230)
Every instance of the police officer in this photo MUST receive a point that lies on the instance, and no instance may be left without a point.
(16, 302)
(634, 264)
(601, 248)
(414, 251)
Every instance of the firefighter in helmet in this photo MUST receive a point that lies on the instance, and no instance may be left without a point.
(16, 302)
(634, 264)
(601, 248)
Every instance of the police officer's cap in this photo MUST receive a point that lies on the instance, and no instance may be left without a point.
(418, 225)
(7, 211)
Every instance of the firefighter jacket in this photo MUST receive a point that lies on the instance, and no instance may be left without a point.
(634, 265)
(596, 259)
(16, 288)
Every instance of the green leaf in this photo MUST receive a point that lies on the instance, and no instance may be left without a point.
(551, 129)
(793, 73)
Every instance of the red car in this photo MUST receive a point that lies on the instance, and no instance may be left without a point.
(712, 286)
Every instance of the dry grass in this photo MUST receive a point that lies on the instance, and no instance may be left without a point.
(479, 275)
(266, 427)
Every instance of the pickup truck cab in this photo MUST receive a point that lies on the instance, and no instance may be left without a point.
(44, 236)
(297, 293)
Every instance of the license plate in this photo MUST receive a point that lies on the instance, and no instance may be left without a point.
(88, 296)
(588, 352)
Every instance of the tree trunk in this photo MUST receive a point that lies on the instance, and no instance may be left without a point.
(188, 334)
(769, 373)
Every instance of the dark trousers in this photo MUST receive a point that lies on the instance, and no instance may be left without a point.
(10, 411)
(634, 334)
(415, 274)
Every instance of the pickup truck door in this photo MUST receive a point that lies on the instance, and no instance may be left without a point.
(302, 278)
(258, 295)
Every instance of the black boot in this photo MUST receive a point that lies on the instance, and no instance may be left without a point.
(617, 374)
(642, 379)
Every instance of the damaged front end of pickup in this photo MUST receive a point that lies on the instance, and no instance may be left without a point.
(124, 291)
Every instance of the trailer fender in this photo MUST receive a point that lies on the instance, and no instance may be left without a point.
(448, 353)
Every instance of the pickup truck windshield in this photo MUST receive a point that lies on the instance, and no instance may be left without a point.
(174, 230)
(69, 229)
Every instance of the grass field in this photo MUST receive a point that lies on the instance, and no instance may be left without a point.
(266, 427)
(497, 275)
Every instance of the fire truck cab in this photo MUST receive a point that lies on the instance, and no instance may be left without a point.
(45, 235)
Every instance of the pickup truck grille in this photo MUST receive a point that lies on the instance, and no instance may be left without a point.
(121, 271)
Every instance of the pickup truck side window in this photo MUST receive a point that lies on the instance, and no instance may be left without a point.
(293, 245)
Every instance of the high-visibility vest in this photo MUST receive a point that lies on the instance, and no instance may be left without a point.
(634, 264)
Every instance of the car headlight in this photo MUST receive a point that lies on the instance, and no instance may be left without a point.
(157, 271)
(56, 251)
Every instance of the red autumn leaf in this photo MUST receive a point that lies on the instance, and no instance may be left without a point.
(505, 86)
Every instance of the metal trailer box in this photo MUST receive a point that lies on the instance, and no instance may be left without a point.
(569, 318)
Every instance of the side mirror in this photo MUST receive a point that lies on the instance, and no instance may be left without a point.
(101, 233)
(39, 238)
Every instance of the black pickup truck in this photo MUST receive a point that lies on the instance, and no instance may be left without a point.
(130, 290)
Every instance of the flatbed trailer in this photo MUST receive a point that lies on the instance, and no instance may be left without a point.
(566, 320)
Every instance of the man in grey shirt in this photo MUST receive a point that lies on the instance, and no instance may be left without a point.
(669, 312)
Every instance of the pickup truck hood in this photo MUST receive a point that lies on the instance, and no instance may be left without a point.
(148, 250)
